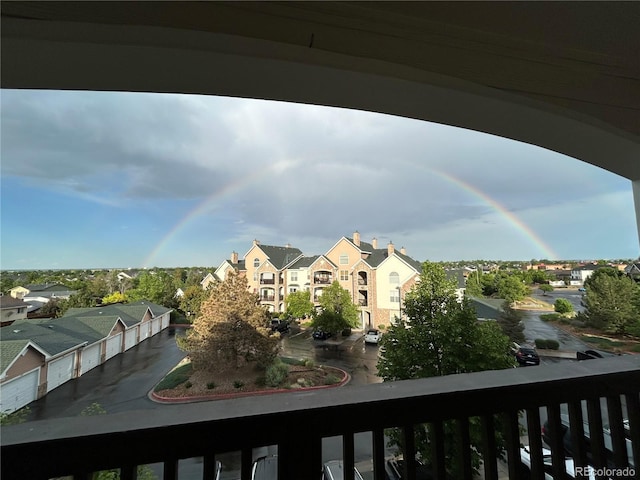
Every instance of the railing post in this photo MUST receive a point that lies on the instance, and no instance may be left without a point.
(556, 431)
(378, 454)
(464, 447)
(633, 412)
(489, 451)
(409, 435)
(512, 437)
(596, 440)
(300, 458)
(577, 434)
(170, 469)
(436, 430)
(618, 443)
(534, 429)
(348, 448)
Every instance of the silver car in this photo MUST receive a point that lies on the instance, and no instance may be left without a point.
(333, 470)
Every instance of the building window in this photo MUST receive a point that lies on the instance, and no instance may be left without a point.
(394, 295)
(394, 278)
(256, 262)
(344, 274)
(293, 289)
(344, 259)
(255, 276)
(294, 276)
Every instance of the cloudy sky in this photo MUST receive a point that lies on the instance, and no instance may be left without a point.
(97, 180)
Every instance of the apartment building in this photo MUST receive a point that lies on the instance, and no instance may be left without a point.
(376, 278)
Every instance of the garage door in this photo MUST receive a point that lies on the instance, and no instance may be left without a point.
(19, 392)
(144, 330)
(155, 326)
(165, 321)
(60, 371)
(130, 338)
(114, 346)
(90, 358)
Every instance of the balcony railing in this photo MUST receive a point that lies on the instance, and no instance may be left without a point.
(80, 445)
(323, 280)
(362, 281)
(267, 298)
(362, 302)
(267, 281)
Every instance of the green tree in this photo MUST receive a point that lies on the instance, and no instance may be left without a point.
(298, 304)
(156, 286)
(191, 302)
(510, 321)
(611, 302)
(545, 288)
(337, 311)
(473, 286)
(51, 308)
(511, 288)
(562, 305)
(231, 330)
(440, 336)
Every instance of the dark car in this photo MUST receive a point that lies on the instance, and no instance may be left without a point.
(320, 334)
(527, 356)
(279, 325)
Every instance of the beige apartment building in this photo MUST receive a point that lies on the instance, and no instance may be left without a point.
(376, 278)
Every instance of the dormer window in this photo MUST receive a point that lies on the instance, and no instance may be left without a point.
(256, 262)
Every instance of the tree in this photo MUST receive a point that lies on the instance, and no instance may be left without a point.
(473, 286)
(337, 311)
(440, 336)
(191, 302)
(563, 305)
(510, 321)
(115, 297)
(611, 302)
(231, 330)
(546, 288)
(299, 304)
(157, 287)
(511, 288)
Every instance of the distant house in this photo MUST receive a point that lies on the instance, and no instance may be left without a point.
(208, 280)
(633, 270)
(38, 355)
(12, 309)
(231, 265)
(580, 273)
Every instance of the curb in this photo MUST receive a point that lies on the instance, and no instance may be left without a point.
(153, 396)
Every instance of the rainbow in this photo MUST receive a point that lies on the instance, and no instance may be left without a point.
(503, 211)
(206, 205)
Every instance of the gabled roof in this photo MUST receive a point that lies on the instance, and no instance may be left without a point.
(363, 248)
(11, 349)
(10, 302)
(45, 333)
(381, 254)
(322, 257)
(156, 310)
(280, 257)
(304, 262)
(48, 287)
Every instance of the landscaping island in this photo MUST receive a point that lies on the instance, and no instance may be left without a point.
(183, 384)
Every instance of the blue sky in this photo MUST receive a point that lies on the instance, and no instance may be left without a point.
(117, 180)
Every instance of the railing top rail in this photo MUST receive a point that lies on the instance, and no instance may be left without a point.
(391, 403)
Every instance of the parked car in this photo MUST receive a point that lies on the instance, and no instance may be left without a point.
(526, 355)
(394, 470)
(320, 334)
(372, 336)
(279, 325)
(606, 434)
(333, 470)
(265, 468)
(525, 465)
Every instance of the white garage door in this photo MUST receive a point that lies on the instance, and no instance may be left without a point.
(165, 321)
(90, 358)
(155, 326)
(114, 346)
(144, 330)
(19, 392)
(60, 371)
(130, 338)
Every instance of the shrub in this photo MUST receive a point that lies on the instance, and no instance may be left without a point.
(550, 317)
(174, 378)
(562, 305)
(331, 379)
(382, 326)
(211, 385)
(276, 373)
(238, 384)
(547, 344)
(309, 363)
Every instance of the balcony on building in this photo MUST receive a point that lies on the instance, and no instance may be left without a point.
(322, 277)
(362, 298)
(362, 278)
(267, 279)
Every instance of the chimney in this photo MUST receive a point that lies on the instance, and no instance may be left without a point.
(234, 258)
(356, 238)
(403, 251)
(256, 242)
(288, 245)
(374, 243)
(390, 248)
